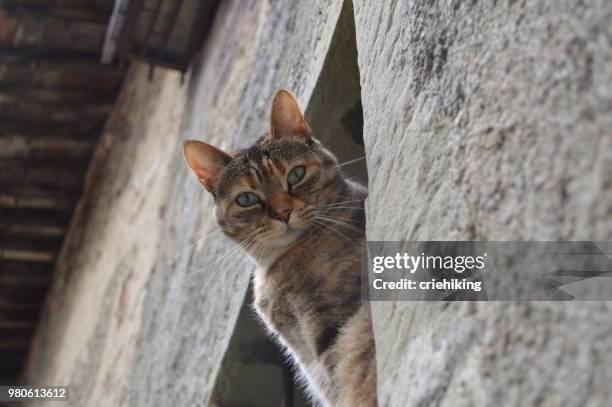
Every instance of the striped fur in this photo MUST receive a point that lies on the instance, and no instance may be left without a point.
(307, 283)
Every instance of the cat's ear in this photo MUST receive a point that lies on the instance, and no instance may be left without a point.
(206, 162)
(286, 118)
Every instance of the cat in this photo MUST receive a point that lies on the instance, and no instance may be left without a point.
(286, 202)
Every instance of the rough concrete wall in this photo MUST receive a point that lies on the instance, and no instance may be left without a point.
(489, 121)
(89, 328)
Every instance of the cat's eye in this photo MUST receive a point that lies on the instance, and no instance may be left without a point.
(296, 174)
(246, 199)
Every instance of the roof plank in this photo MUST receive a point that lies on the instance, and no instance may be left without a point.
(25, 197)
(59, 173)
(41, 147)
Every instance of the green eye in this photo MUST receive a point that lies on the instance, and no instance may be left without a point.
(246, 199)
(296, 175)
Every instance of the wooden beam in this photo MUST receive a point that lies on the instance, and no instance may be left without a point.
(9, 377)
(22, 294)
(51, 172)
(32, 313)
(201, 29)
(28, 279)
(54, 60)
(19, 310)
(50, 32)
(128, 27)
(13, 359)
(25, 337)
(14, 344)
(33, 244)
(32, 93)
(10, 127)
(88, 123)
(50, 55)
(24, 109)
(33, 223)
(152, 23)
(24, 267)
(103, 7)
(28, 255)
(38, 231)
(170, 25)
(42, 147)
(24, 197)
(62, 13)
(60, 75)
(16, 325)
(13, 305)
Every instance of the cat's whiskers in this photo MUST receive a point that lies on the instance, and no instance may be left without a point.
(228, 255)
(350, 162)
(340, 203)
(316, 225)
(249, 247)
(214, 232)
(345, 207)
(328, 226)
(236, 259)
(259, 250)
(217, 265)
(329, 215)
(208, 235)
(339, 222)
(254, 247)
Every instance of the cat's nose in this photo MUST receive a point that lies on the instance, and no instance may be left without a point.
(283, 215)
(280, 207)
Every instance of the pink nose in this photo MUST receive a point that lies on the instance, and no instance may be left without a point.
(280, 207)
(282, 215)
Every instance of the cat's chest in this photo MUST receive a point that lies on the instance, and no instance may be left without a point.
(269, 300)
(271, 285)
(275, 303)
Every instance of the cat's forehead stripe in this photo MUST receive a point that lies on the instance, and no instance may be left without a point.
(267, 165)
(263, 162)
(257, 173)
(250, 181)
(280, 167)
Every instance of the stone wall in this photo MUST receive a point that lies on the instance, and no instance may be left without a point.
(489, 121)
(482, 120)
(88, 331)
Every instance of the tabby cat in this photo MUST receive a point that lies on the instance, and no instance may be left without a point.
(286, 202)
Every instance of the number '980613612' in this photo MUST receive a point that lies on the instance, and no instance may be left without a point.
(45, 393)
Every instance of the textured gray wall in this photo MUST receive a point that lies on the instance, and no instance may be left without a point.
(489, 120)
